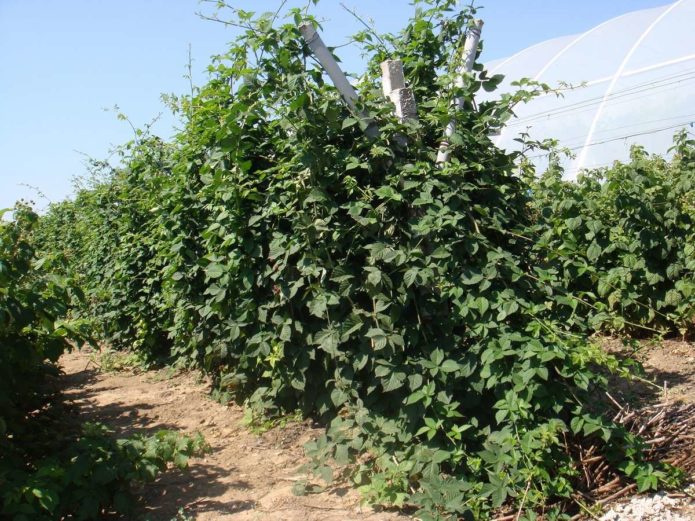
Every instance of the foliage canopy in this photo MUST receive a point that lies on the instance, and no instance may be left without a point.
(306, 265)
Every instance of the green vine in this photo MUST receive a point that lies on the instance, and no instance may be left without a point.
(307, 266)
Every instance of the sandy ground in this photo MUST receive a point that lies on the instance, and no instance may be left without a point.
(669, 364)
(250, 477)
(245, 477)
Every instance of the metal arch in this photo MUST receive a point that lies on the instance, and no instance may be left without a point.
(579, 163)
(557, 56)
(498, 140)
(513, 56)
(574, 42)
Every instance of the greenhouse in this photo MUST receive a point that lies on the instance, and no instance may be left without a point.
(626, 81)
(322, 297)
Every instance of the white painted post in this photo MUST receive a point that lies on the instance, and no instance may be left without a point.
(470, 49)
(325, 58)
(393, 85)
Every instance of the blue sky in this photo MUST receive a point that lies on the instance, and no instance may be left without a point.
(63, 62)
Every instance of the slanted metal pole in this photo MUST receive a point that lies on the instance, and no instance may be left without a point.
(325, 58)
(470, 49)
(393, 85)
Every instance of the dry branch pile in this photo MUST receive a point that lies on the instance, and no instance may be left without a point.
(668, 431)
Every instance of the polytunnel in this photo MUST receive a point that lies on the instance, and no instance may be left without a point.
(626, 81)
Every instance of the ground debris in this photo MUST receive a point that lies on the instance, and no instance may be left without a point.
(654, 507)
(668, 431)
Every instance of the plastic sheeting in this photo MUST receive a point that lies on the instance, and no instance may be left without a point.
(633, 82)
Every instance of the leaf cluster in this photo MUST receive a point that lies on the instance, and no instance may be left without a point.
(34, 327)
(622, 240)
(307, 266)
(93, 475)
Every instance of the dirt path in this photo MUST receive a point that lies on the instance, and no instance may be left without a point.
(245, 477)
(669, 364)
(249, 477)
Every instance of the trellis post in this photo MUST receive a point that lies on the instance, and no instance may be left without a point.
(337, 76)
(393, 85)
(470, 49)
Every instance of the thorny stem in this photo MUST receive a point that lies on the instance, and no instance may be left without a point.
(366, 25)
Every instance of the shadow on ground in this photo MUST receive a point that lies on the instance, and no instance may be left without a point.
(668, 372)
(126, 419)
(194, 489)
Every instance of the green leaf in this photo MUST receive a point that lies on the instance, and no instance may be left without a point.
(341, 455)
(414, 398)
(395, 381)
(593, 252)
(214, 270)
(326, 474)
(387, 192)
(449, 366)
(318, 306)
(410, 276)
(349, 122)
(328, 340)
(492, 83)
(378, 337)
(470, 277)
(374, 276)
(441, 253)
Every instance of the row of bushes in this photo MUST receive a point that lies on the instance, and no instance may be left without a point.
(622, 239)
(425, 313)
(50, 466)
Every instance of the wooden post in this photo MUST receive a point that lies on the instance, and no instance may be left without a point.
(393, 85)
(325, 58)
(470, 49)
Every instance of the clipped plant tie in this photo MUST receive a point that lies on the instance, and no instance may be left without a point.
(470, 50)
(340, 81)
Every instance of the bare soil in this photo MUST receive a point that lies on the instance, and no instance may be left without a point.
(245, 477)
(251, 477)
(671, 364)
(669, 367)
